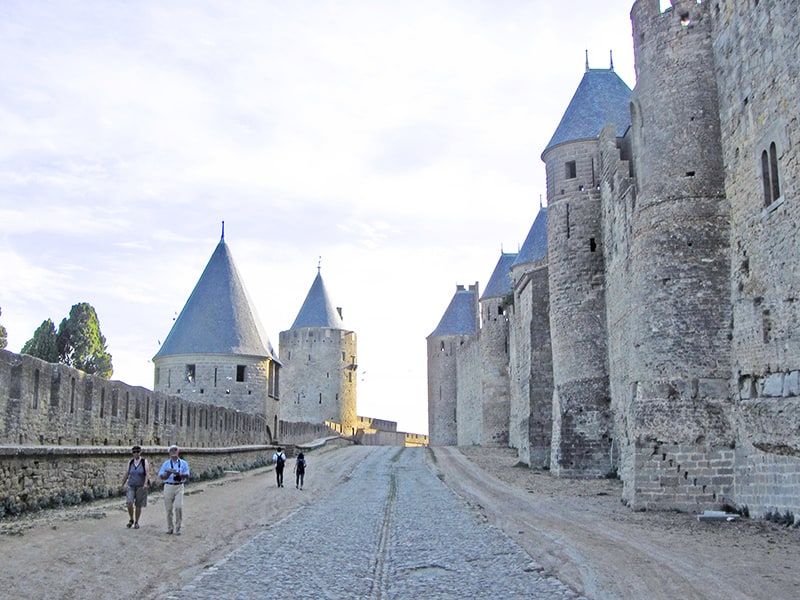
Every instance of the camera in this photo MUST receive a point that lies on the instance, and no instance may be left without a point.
(177, 477)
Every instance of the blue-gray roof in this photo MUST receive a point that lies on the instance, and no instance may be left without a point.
(317, 310)
(601, 98)
(218, 318)
(461, 316)
(535, 246)
(500, 282)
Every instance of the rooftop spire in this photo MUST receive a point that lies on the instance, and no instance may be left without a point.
(223, 232)
(611, 59)
(587, 60)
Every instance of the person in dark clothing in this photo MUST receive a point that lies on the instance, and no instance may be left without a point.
(300, 471)
(279, 458)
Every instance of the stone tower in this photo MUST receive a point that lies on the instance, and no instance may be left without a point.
(531, 358)
(582, 422)
(217, 351)
(319, 358)
(678, 299)
(494, 350)
(458, 325)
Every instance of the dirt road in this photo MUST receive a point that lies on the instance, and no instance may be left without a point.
(581, 532)
(578, 530)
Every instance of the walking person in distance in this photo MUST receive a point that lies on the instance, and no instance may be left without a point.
(300, 471)
(279, 458)
(174, 472)
(137, 478)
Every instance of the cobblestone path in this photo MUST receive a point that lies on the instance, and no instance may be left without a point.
(391, 531)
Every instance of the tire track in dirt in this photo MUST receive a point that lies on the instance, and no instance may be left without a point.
(600, 558)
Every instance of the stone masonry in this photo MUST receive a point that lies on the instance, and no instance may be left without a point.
(672, 252)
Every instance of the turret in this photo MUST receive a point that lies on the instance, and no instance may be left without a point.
(458, 325)
(319, 356)
(679, 296)
(581, 398)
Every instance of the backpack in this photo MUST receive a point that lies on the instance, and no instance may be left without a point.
(142, 464)
(279, 461)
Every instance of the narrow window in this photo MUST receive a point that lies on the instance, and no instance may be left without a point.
(320, 398)
(592, 245)
(190, 372)
(571, 171)
(240, 372)
(215, 376)
(769, 174)
(773, 164)
(36, 388)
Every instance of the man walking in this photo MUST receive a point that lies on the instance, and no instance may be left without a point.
(174, 472)
(279, 458)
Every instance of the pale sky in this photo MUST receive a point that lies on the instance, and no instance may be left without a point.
(399, 141)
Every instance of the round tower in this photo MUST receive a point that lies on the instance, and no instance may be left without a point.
(457, 327)
(679, 263)
(319, 358)
(581, 429)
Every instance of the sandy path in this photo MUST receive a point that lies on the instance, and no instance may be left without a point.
(87, 552)
(577, 529)
(582, 534)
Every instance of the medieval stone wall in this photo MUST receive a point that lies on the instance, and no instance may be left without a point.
(35, 477)
(469, 392)
(673, 273)
(756, 47)
(531, 366)
(53, 404)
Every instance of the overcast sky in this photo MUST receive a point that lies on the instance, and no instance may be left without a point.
(399, 141)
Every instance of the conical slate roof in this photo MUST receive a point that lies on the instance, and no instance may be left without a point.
(535, 245)
(460, 318)
(317, 310)
(218, 318)
(601, 98)
(500, 282)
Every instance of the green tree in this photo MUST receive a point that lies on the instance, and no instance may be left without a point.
(80, 343)
(43, 343)
(3, 335)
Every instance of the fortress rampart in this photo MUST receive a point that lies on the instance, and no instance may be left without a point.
(56, 405)
(672, 258)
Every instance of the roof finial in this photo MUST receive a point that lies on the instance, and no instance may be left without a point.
(223, 232)
(540, 201)
(319, 264)
(587, 60)
(611, 58)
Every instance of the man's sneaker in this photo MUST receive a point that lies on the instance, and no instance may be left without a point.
(169, 531)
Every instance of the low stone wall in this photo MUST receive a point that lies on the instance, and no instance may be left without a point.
(36, 477)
